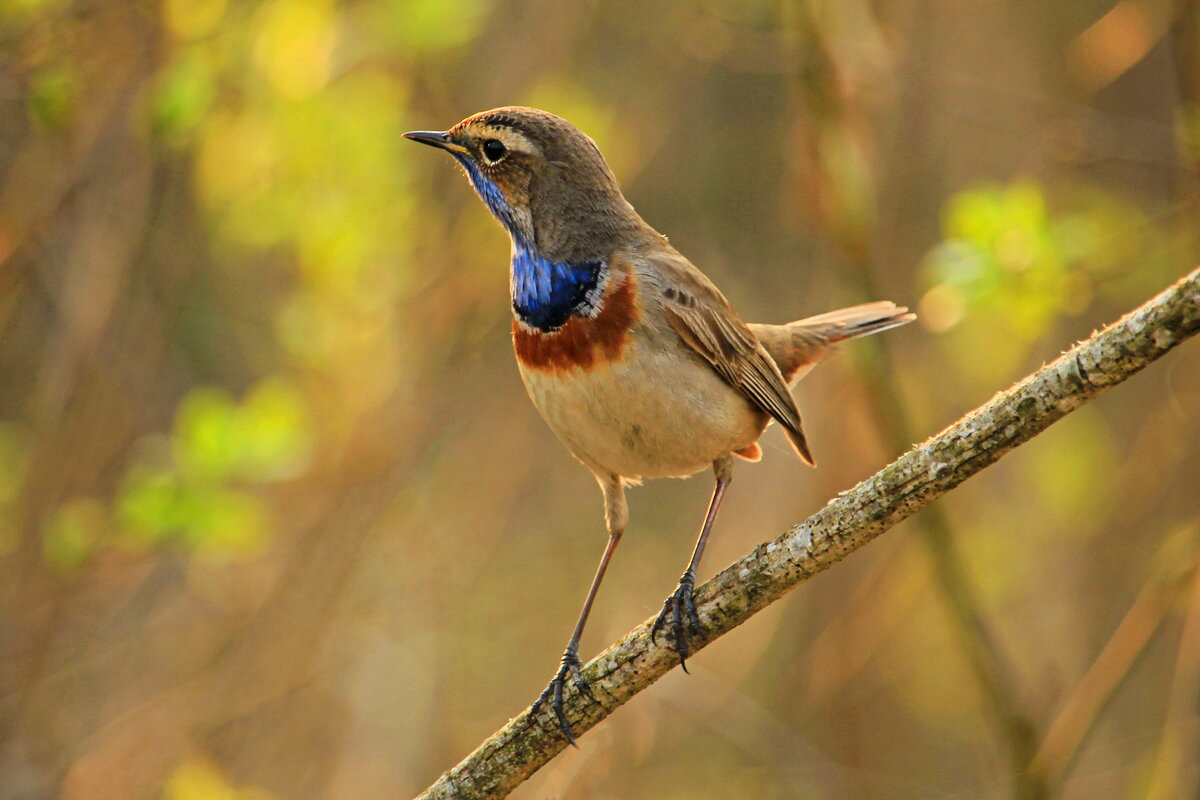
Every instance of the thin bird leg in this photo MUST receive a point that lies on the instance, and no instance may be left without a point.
(616, 515)
(680, 602)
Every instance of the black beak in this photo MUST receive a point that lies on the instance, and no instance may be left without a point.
(439, 139)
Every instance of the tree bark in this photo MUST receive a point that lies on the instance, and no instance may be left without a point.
(845, 524)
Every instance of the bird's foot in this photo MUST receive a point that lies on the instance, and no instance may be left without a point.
(568, 668)
(676, 607)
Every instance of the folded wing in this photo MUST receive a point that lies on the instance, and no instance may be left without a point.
(706, 322)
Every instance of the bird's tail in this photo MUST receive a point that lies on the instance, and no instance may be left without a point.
(799, 346)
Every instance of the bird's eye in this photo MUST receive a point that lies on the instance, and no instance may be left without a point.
(493, 150)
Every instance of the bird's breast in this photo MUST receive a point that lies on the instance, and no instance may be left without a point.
(582, 342)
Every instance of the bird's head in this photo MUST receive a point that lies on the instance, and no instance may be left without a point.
(542, 178)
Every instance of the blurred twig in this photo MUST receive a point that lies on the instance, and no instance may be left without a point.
(1181, 735)
(1077, 719)
(835, 110)
(848, 522)
(988, 662)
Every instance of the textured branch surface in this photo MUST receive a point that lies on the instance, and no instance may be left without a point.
(849, 521)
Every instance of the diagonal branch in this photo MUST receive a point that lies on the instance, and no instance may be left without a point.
(848, 522)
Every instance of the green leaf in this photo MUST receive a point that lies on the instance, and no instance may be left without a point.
(150, 507)
(226, 523)
(205, 442)
(73, 532)
(275, 431)
(51, 97)
(182, 97)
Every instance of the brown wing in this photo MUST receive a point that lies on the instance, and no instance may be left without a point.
(703, 318)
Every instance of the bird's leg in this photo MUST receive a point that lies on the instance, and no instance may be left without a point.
(680, 603)
(616, 515)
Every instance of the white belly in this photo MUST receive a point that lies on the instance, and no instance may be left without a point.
(658, 411)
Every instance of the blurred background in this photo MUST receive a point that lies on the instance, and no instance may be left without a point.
(277, 520)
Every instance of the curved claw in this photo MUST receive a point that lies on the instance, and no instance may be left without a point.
(678, 604)
(568, 666)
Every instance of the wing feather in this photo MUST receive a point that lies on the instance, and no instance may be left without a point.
(706, 322)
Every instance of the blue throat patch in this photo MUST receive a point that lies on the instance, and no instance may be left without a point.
(545, 294)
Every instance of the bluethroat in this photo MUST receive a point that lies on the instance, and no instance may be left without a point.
(633, 357)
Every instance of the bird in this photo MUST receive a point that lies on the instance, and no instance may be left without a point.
(633, 357)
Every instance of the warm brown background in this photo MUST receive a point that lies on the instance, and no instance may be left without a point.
(277, 520)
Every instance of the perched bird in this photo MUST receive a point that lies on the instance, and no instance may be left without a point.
(631, 354)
